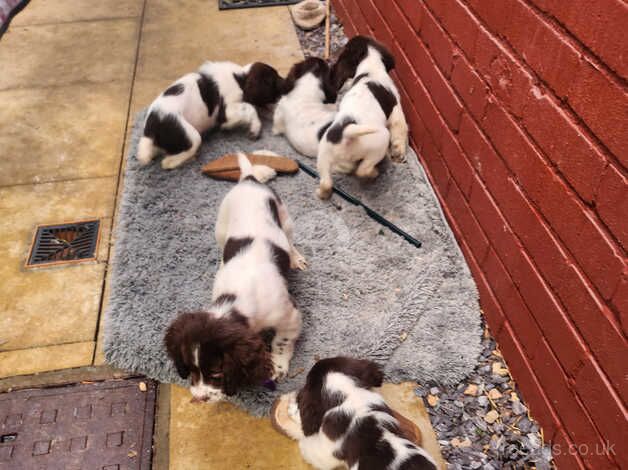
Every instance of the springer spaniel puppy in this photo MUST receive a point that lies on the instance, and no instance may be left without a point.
(339, 422)
(307, 107)
(220, 94)
(222, 349)
(370, 123)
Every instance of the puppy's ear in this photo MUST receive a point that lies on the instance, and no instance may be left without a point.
(174, 346)
(387, 58)
(247, 362)
(331, 93)
(263, 85)
(367, 373)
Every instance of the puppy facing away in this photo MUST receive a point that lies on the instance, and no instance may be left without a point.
(370, 122)
(307, 107)
(221, 350)
(219, 94)
(343, 424)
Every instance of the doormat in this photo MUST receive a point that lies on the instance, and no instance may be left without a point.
(367, 292)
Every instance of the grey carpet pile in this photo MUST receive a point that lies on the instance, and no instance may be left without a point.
(367, 292)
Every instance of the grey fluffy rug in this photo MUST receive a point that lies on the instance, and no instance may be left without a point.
(367, 292)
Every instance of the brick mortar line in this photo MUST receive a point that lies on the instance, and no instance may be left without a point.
(588, 209)
(519, 243)
(580, 45)
(520, 61)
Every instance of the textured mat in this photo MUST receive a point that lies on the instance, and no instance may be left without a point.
(367, 291)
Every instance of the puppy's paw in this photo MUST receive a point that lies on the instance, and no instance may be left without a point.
(255, 130)
(170, 163)
(263, 173)
(398, 152)
(281, 364)
(369, 174)
(297, 260)
(324, 192)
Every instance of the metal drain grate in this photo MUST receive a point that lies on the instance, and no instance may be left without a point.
(64, 243)
(233, 4)
(104, 425)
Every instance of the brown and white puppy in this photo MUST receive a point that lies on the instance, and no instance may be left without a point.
(307, 107)
(370, 123)
(220, 94)
(345, 424)
(221, 350)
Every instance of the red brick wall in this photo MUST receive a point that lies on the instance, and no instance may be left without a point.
(518, 110)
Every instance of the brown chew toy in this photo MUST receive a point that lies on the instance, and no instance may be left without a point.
(226, 167)
(282, 421)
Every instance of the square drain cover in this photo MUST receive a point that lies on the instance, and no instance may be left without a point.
(104, 425)
(65, 243)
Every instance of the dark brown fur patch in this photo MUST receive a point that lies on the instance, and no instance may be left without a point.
(334, 134)
(272, 207)
(225, 299)
(167, 133)
(417, 462)
(174, 90)
(335, 423)
(281, 258)
(234, 246)
(235, 315)
(209, 93)
(387, 101)
(323, 129)
(364, 444)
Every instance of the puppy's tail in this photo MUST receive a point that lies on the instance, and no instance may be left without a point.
(146, 150)
(353, 131)
(261, 173)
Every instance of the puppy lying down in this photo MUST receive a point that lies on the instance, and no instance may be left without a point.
(221, 350)
(340, 423)
(219, 95)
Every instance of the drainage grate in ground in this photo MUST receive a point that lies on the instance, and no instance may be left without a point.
(105, 425)
(233, 4)
(66, 243)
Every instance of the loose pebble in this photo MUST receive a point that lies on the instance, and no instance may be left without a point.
(471, 389)
(142, 386)
(491, 416)
(432, 400)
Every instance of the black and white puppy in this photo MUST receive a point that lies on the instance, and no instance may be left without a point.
(220, 94)
(340, 422)
(307, 107)
(222, 349)
(370, 122)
